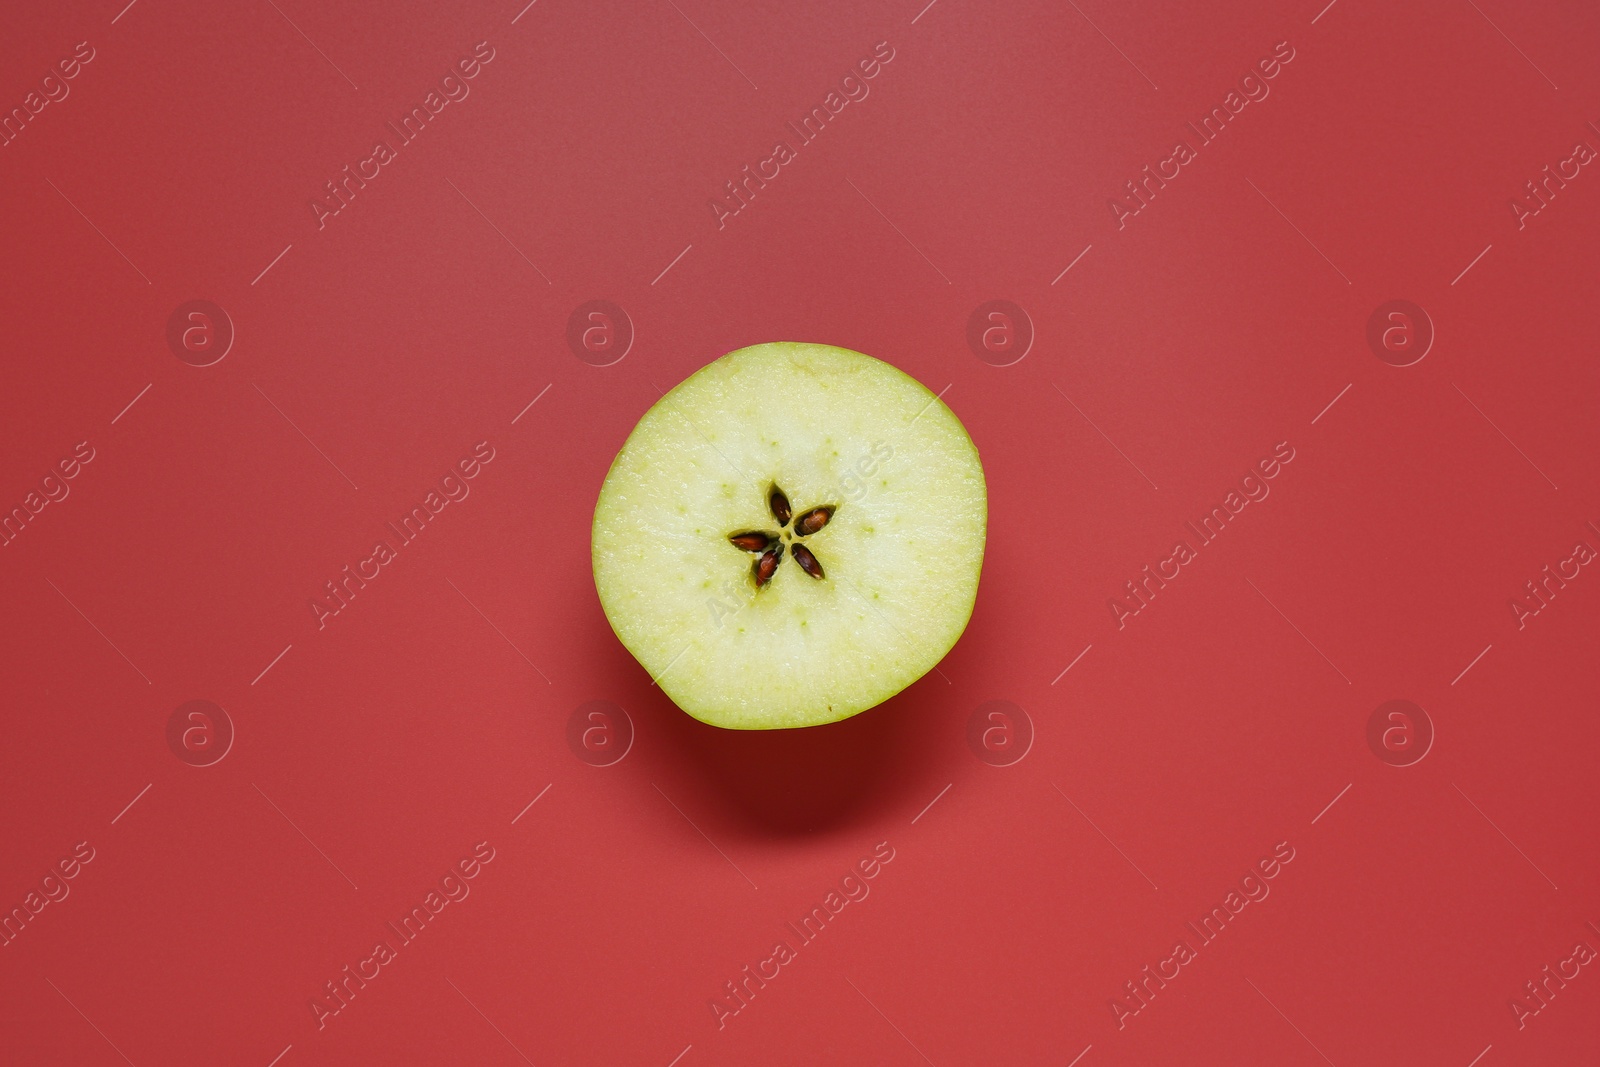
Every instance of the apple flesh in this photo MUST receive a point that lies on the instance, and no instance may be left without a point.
(792, 535)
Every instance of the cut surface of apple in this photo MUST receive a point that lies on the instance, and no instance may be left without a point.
(790, 536)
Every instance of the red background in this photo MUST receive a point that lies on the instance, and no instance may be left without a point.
(376, 751)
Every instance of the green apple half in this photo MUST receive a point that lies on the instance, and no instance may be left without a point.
(790, 536)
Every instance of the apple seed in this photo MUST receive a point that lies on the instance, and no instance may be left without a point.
(812, 521)
(767, 564)
(780, 506)
(808, 562)
(754, 541)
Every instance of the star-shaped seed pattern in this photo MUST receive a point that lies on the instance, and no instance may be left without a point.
(793, 529)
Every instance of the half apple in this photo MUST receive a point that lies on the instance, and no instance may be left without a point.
(792, 535)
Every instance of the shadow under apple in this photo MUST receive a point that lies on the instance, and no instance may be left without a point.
(778, 783)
